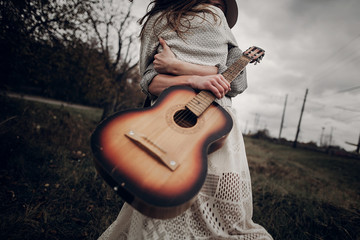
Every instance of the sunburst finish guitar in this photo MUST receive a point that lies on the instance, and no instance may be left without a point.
(155, 158)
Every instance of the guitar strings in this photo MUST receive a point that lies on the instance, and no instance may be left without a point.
(185, 118)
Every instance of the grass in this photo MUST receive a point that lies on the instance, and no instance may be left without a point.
(50, 189)
(301, 194)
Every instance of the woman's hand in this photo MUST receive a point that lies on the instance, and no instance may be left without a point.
(165, 61)
(216, 84)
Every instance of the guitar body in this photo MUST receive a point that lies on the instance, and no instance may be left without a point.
(154, 161)
(156, 158)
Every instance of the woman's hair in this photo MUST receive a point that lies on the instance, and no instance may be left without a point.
(175, 11)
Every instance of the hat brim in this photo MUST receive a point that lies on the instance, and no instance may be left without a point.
(231, 12)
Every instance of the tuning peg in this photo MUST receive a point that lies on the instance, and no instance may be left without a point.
(256, 54)
(258, 60)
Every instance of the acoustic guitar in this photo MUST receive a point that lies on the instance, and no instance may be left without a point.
(155, 158)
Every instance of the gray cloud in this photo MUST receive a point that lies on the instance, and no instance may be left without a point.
(312, 44)
(309, 44)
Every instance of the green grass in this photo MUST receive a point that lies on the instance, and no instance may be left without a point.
(50, 189)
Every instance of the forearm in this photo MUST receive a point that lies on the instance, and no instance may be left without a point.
(165, 62)
(162, 81)
(217, 84)
(185, 68)
(172, 71)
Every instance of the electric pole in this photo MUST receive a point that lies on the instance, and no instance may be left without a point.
(357, 145)
(331, 134)
(256, 121)
(245, 131)
(283, 116)
(322, 136)
(298, 128)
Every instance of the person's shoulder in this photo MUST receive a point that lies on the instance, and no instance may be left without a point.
(154, 19)
(156, 24)
(215, 10)
(212, 15)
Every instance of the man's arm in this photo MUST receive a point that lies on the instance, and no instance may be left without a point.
(217, 84)
(175, 72)
(165, 62)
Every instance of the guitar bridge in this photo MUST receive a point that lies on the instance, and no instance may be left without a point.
(153, 149)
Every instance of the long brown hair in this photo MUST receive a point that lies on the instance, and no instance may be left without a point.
(174, 11)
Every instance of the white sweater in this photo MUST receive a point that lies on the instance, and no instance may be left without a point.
(209, 41)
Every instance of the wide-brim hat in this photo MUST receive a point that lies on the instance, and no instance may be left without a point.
(231, 12)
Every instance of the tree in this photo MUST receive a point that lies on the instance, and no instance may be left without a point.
(29, 25)
(112, 24)
(79, 51)
(45, 19)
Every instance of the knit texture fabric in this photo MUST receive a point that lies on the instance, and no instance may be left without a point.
(209, 42)
(223, 208)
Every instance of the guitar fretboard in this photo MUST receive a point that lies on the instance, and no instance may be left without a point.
(204, 99)
(236, 68)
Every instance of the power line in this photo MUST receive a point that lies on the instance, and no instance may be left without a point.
(331, 69)
(342, 48)
(349, 89)
(332, 106)
(327, 68)
(338, 51)
(347, 109)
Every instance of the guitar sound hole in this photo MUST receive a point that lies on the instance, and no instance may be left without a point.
(185, 118)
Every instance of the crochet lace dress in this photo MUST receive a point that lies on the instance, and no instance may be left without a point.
(223, 208)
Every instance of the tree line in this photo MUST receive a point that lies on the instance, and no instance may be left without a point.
(78, 51)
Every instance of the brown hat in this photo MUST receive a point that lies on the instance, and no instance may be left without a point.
(231, 12)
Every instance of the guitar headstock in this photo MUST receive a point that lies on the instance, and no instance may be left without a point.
(255, 54)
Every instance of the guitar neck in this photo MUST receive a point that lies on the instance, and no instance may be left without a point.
(203, 100)
(236, 68)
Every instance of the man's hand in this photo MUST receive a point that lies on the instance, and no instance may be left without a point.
(165, 60)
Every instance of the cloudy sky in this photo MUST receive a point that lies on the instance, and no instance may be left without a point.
(309, 44)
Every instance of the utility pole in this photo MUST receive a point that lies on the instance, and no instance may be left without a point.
(245, 131)
(283, 116)
(322, 136)
(256, 121)
(298, 128)
(354, 144)
(331, 134)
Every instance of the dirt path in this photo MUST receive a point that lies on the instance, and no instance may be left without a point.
(49, 101)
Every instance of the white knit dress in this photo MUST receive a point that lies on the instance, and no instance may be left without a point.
(223, 208)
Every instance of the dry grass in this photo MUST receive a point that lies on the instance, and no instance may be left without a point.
(50, 189)
(301, 194)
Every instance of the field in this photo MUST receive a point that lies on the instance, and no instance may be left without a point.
(50, 189)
